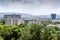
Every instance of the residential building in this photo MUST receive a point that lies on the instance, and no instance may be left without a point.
(56, 21)
(37, 21)
(33, 22)
(13, 19)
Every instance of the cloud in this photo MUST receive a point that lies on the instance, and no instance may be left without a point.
(34, 7)
(35, 2)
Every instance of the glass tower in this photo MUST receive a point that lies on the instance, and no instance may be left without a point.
(53, 16)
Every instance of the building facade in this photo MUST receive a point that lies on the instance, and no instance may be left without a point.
(56, 21)
(53, 16)
(12, 16)
(13, 19)
(37, 21)
(34, 22)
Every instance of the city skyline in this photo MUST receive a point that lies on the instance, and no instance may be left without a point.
(33, 7)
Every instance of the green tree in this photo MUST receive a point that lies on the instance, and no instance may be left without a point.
(51, 33)
(58, 33)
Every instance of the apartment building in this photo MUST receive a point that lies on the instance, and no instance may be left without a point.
(37, 21)
(13, 19)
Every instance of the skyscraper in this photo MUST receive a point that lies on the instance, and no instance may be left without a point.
(53, 16)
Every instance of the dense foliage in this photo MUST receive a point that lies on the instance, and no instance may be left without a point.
(29, 32)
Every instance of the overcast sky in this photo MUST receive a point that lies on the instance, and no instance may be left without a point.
(34, 7)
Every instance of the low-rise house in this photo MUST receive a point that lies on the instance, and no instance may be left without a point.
(34, 22)
(56, 21)
(43, 21)
(37, 21)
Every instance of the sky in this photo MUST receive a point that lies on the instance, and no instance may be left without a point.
(33, 7)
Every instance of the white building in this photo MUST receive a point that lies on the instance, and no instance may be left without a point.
(55, 20)
(34, 22)
(37, 21)
(58, 21)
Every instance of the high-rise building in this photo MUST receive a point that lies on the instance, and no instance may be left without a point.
(13, 19)
(12, 16)
(53, 16)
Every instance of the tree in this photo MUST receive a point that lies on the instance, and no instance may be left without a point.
(51, 33)
(35, 31)
(58, 33)
(1, 38)
(29, 32)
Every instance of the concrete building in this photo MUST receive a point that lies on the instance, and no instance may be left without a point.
(33, 22)
(13, 19)
(56, 21)
(53, 16)
(37, 21)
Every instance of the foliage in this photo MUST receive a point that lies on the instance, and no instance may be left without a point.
(29, 32)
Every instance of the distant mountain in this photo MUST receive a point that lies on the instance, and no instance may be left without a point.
(24, 16)
(43, 16)
(58, 17)
(1, 14)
